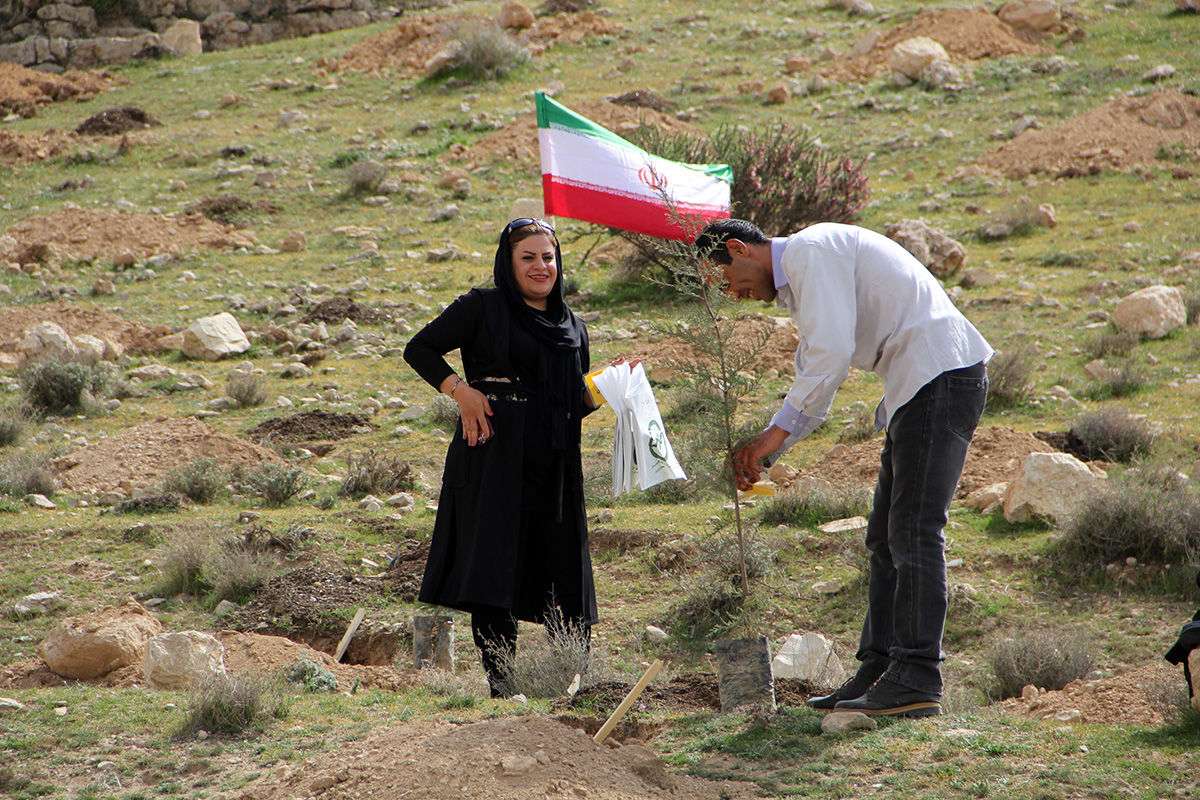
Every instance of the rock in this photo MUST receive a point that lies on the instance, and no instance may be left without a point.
(48, 341)
(9, 704)
(810, 658)
(515, 15)
(211, 338)
(1156, 74)
(401, 500)
(39, 604)
(183, 38)
(1047, 217)
(294, 242)
(103, 287)
(987, 500)
(296, 370)
(1048, 486)
(911, 56)
(366, 175)
(782, 474)
(89, 349)
(1188, 5)
(181, 660)
(1069, 715)
(655, 634)
(778, 94)
(932, 246)
(518, 764)
(797, 64)
(95, 644)
(837, 723)
(225, 608)
(1154, 311)
(977, 277)
(39, 501)
(940, 74)
(442, 59)
(370, 503)
(1194, 669)
(847, 525)
(1036, 15)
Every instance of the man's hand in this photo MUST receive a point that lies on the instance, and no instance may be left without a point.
(749, 458)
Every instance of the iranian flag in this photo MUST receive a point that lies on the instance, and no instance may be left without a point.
(590, 173)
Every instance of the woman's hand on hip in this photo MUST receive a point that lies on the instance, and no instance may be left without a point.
(474, 409)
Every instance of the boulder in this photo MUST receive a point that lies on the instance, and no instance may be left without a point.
(932, 246)
(183, 38)
(1154, 311)
(810, 658)
(1035, 15)
(837, 723)
(940, 74)
(987, 499)
(211, 338)
(180, 660)
(48, 341)
(1048, 486)
(911, 56)
(95, 644)
(89, 349)
(516, 15)
(39, 604)
(1188, 5)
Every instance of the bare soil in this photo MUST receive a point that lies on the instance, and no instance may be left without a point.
(26, 148)
(995, 454)
(518, 141)
(23, 90)
(115, 121)
(967, 34)
(140, 456)
(339, 309)
(1134, 698)
(92, 234)
(135, 337)
(311, 426)
(1122, 134)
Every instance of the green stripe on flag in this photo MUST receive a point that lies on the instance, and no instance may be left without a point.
(552, 115)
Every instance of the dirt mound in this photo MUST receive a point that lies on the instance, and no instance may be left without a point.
(1134, 698)
(142, 455)
(312, 425)
(256, 653)
(22, 148)
(135, 337)
(644, 98)
(511, 758)
(22, 89)
(88, 234)
(337, 309)
(1158, 128)
(967, 34)
(668, 356)
(230, 209)
(114, 121)
(995, 454)
(518, 141)
(409, 46)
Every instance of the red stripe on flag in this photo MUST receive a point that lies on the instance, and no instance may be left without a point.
(627, 213)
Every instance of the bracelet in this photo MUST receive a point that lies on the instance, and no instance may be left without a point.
(455, 386)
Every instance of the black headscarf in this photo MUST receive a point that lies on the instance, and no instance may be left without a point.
(560, 367)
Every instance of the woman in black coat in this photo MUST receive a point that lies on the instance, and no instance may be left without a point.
(510, 540)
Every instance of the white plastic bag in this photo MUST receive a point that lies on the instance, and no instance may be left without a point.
(640, 443)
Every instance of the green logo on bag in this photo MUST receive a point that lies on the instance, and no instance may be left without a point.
(658, 441)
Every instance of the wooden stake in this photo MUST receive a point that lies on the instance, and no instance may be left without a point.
(636, 691)
(349, 634)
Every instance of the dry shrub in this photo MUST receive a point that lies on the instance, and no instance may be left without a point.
(199, 480)
(1009, 374)
(230, 705)
(1048, 658)
(1151, 513)
(373, 473)
(13, 424)
(247, 389)
(1113, 434)
(813, 507)
(1113, 341)
(151, 504)
(1018, 219)
(311, 676)
(1169, 695)
(23, 473)
(860, 426)
(1122, 381)
(276, 484)
(546, 667)
(60, 387)
(711, 602)
(551, 7)
(233, 572)
(485, 51)
(182, 562)
(444, 411)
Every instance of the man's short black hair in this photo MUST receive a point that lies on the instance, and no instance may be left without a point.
(711, 241)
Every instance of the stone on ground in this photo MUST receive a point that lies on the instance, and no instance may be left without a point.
(180, 660)
(1154, 311)
(810, 658)
(1048, 486)
(211, 338)
(95, 644)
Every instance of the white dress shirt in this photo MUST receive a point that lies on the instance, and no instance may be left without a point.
(861, 300)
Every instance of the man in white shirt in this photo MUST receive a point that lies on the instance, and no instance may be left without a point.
(860, 299)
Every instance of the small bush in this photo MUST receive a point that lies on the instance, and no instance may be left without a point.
(444, 411)
(13, 424)
(247, 389)
(1113, 434)
(1047, 658)
(372, 473)
(23, 473)
(485, 51)
(1113, 341)
(233, 572)
(276, 484)
(1191, 304)
(860, 426)
(182, 562)
(311, 676)
(808, 509)
(1150, 513)
(1009, 374)
(57, 387)
(547, 668)
(1018, 219)
(230, 705)
(711, 603)
(199, 481)
(1122, 381)
(150, 504)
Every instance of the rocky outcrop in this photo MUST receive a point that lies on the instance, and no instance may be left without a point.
(95, 644)
(68, 35)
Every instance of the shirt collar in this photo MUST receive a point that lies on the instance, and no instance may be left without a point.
(778, 244)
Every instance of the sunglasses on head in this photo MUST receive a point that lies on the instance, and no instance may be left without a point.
(523, 221)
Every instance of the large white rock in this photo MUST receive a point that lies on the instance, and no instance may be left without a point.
(911, 56)
(39, 604)
(1048, 486)
(1154, 311)
(48, 340)
(180, 660)
(810, 658)
(90, 349)
(183, 38)
(1036, 15)
(932, 246)
(95, 644)
(211, 338)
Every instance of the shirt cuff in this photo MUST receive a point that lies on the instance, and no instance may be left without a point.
(797, 424)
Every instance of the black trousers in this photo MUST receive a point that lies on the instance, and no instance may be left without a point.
(923, 457)
(495, 633)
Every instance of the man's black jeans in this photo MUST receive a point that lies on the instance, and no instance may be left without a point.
(923, 457)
